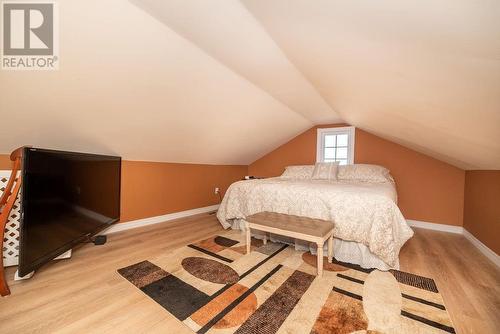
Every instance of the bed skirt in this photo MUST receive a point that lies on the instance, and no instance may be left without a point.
(344, 251)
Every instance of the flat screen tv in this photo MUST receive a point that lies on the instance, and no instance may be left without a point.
(66, 198)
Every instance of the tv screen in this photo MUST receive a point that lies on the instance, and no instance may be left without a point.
(66, 198)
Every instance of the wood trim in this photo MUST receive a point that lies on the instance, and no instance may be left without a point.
(17, 153)
(8, 187)
(7, 201)
(11, 196)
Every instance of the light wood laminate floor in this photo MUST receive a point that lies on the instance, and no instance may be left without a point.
(86, 295)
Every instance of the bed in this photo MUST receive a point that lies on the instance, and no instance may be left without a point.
(369, 228)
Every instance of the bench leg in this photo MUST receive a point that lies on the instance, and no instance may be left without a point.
(264, 241)
(249, 240)
(320, 259)
(330, 249)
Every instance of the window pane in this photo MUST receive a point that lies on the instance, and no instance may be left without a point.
(342, 140)
(342, 161)
(329, 153)
(330, 140)
(328, 160)
(342, 153)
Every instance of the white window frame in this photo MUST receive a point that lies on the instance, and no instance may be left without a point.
(320, 146)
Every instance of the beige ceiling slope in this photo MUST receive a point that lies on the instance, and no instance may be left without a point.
(425, 74)
(230, 34)
(131, 86)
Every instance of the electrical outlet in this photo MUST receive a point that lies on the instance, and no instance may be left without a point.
(216, 191)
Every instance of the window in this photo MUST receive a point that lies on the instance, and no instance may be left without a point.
(336, 144)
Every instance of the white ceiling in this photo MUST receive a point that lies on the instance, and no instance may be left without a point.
(226, 81)
(226, 31)
(425, 74)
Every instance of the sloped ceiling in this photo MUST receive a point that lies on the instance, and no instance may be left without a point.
(227, 81)
(226, 31)
(130, 85)
(425, 74)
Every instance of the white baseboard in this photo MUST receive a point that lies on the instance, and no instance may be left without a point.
(482, 248)
(436, 227)
(413, 223)
(459, 230)
(158, 219)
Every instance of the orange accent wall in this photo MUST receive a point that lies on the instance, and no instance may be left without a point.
(428, 189)
(5, 163)
(155, 188)
(482, 206)
(151, 189)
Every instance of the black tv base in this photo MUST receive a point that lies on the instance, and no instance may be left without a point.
(99, 240)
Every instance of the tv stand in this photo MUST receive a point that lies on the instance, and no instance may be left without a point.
(65, 255)
(98, 240)
(20, 278)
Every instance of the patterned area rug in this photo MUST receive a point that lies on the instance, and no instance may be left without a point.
(213, 287)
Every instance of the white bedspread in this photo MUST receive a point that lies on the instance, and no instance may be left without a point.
(362, 212)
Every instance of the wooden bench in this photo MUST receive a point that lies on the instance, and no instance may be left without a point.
(309, 229)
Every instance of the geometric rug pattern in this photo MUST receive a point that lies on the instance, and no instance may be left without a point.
(212, 286)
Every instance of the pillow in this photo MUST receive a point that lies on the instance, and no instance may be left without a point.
(325, 171)
(298, 172)
(364, 173)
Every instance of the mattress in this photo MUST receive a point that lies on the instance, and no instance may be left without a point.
(364, 214)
